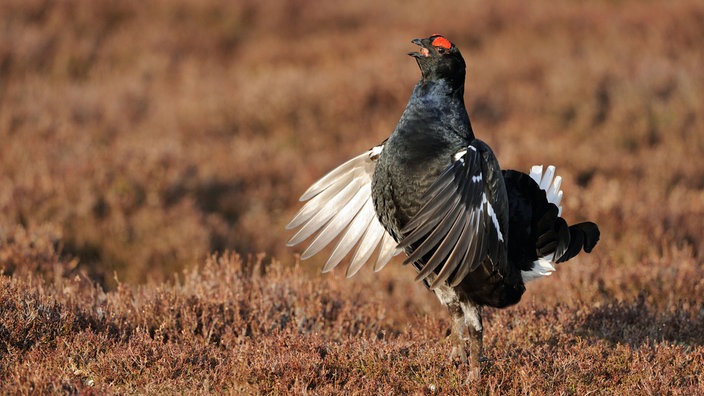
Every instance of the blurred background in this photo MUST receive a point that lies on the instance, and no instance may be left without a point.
(139, 137)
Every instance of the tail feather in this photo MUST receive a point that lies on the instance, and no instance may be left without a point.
(555, 242)
(552, 234)
(538, 236)
(582, 236)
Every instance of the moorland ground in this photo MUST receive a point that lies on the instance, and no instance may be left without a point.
(142, 144)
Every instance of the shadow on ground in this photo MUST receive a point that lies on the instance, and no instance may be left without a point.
(636, 323)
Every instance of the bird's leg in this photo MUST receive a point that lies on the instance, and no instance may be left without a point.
(473, 321)
(457, 338)
(449, 299)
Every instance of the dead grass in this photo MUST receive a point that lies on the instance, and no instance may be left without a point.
(138, 140)
(232, 326)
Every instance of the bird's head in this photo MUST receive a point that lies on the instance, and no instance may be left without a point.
(439, 59)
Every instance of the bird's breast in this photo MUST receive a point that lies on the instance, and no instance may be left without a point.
(409, 165)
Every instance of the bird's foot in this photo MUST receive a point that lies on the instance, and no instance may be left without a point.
(458, 354)
(474, 374)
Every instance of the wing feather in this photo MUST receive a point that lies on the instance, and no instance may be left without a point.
(341, 220)
(387, 250)
(323, 214)
(335, 176)
(313, 207)
(445, 192)
(433, 240)
(372, 236)
(339, 205)
(463, 221)
(444, 248)
(435, 214)
(354, 233)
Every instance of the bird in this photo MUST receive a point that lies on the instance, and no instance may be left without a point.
(474, 233)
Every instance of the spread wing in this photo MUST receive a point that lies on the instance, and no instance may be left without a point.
(464, 220)
(340, 203)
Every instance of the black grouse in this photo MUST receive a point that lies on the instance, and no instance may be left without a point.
(475, 234)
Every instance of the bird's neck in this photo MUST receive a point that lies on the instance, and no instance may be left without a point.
(444, 97)
(445, 88)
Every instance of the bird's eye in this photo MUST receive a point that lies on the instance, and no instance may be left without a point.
(441, 50)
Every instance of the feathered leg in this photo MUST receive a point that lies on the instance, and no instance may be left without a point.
(473, 321)
(457, 337)
(450, 300)
(466, 316)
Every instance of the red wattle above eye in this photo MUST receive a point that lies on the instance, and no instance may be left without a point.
(442, 42)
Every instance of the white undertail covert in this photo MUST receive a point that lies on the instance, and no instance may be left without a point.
(550, 183)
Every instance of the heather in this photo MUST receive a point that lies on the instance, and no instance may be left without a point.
(152, 153)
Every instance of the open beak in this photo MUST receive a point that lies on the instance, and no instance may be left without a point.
(423, 53)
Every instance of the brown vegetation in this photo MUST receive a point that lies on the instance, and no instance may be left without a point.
(136, 139)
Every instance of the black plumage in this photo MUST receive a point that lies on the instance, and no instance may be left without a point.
(474, 233)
